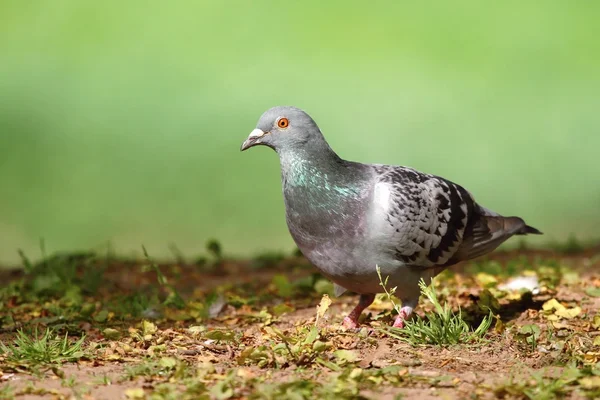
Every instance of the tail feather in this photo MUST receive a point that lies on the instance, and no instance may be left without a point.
(490, 231)
(526, 230)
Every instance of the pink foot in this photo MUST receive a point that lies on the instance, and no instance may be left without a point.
(403, 315)
(349, 323)
(399, 322)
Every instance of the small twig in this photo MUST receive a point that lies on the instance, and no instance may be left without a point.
(445, 362)
(215, 348)
(423, 373)
(193, 352)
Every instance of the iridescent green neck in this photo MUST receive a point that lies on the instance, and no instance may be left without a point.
(318, 174)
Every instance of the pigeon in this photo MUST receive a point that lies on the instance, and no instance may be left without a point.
(350, 218)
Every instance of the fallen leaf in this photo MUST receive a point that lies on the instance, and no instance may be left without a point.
(569, 313)
(554, 310)
(220, 335)
(102, 316)
(486, 280)
(551, 305)
(312, 335)
(135, 393)
(322, 307)
(590, 382)
(196, 329)
(111, 334)
(168, 362)
(560, 325)
(148, 328)
(281, 309)
(596, 322)
(345, 356)
(319, 346)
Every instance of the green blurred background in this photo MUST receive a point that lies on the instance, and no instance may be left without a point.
(120, 122)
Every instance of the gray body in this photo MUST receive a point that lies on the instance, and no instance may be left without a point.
(347, 217)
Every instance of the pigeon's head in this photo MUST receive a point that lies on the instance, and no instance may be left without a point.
(283, 128)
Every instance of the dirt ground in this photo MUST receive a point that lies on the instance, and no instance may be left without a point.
(220, 329)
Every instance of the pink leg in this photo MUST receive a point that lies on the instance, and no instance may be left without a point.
(351, 321)
(405, 312)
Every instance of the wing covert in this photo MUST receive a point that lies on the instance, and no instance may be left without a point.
(426, 215)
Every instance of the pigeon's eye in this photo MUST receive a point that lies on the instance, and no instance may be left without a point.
(283, 122)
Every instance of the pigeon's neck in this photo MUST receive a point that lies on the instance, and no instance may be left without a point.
(322, 195)
(314, 166)
(318, 171)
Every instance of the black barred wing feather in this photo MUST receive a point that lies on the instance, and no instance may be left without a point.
(425, 216)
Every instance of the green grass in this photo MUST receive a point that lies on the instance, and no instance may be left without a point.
(49, 348)
(538, 386)
(164, 367)
(442, 327)
(173, 297)
(7, 392)
(66, 275)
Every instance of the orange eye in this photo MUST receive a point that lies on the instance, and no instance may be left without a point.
(283, 122)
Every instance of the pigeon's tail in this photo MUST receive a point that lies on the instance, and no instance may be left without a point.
(489, 231)
(526, 230)
(510, 225)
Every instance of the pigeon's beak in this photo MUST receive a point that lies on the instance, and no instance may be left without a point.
(253, 139)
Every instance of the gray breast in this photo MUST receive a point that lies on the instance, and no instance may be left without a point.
(326, 218)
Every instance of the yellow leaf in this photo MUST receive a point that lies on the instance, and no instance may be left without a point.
(597, 341)
(486, 280)
(513, 296)
(356, 373)
(322, 307)
(136, 393)
(590, 382)
(591, 357)
(551, 305)
(569, 313)
(559, 310)
(596, 323)
(148, 328)
(111, 334)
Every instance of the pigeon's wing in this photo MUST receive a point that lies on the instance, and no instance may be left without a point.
(422, 218)
(428, 221)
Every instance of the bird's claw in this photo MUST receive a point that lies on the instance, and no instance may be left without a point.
(354, 326)
(349, 323)
(403, 315)
(399, 322)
